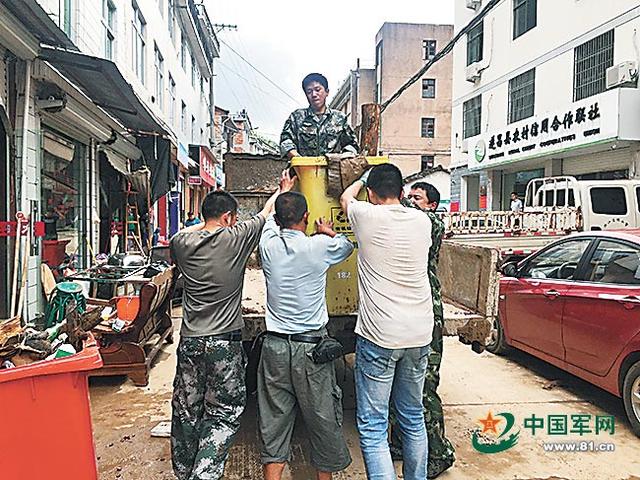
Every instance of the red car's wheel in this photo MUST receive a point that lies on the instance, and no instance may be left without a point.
(497, 344)
(631, 396)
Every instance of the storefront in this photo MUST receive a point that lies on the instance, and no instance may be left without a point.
(595, 138)
(65, 179)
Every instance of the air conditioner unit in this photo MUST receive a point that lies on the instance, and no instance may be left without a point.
(473, 72)
(465, 145)
(474, 4)
(623, 74)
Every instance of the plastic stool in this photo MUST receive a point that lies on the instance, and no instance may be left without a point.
(64, 293)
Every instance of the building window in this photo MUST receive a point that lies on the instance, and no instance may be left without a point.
(183, 50)
(172, 100)
(591, 60)
(379, 72)
(183, 118)
(428, 129)
(524, 16)
(428, 88)
(139, 42)
(171, 23)
(429, 49)
(475, 41)
(471, 115)
(159, 64)
(194, 72)
(426, 162)
(193, 129)
(66, 21)
(522, 95)
(109, 24)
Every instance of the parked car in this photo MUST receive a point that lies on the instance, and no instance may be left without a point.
(576, 305)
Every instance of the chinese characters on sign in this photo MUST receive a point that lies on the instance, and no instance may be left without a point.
(579, 124)
(527, 134)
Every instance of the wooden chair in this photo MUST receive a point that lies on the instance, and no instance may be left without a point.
(127, 352)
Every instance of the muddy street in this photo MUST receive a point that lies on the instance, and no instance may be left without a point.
(472, 386)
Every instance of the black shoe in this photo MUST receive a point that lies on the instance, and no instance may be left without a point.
(438, 467)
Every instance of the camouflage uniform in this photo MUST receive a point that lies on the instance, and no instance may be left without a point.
(441, 451)
(315, 135)
(209, 397)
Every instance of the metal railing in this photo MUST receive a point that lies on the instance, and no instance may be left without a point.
(564, 220)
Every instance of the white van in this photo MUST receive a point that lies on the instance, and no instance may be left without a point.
(605, 204)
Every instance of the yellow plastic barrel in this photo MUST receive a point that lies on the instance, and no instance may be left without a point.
(342, 280)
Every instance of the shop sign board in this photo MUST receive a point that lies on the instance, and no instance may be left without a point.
(207, 166)
(581, 123)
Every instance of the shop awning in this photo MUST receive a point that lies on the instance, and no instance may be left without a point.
(103, 83)
(117, 161)
(38, 23)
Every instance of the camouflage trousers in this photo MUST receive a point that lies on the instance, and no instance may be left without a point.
(440, 449)
(208, 399)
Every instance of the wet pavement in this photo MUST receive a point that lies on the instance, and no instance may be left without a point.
(472, 386)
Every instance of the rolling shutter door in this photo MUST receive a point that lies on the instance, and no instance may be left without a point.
(607, 161)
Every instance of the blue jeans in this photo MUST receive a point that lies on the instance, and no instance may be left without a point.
(382, 375)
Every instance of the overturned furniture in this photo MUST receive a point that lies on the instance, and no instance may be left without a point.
(130, 351)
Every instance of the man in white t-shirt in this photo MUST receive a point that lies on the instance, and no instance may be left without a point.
(395, 320)
(516, 203)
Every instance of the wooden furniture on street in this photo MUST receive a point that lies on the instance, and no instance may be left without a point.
(130, 351)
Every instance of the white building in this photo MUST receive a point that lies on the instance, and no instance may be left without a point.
(89, 92)
(158, 48)
(531, 96)
(165, 50)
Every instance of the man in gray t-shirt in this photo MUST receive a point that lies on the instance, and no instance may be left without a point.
(209, 389)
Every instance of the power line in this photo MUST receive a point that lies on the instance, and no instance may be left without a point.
(257, 70)
(248, 81)
(442, 53)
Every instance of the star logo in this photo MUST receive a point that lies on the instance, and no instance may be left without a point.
(489, 424)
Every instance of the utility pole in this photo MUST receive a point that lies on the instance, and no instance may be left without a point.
(370, 129)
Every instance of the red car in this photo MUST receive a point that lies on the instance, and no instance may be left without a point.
(576, 305)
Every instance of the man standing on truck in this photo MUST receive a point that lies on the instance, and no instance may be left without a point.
(209, 386)
(395, 321)
(426, 197)
(317, 130)
(289, 377)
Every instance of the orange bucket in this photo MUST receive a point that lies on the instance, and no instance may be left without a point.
(127, 307)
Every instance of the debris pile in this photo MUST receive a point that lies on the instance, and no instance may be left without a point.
(22, 345)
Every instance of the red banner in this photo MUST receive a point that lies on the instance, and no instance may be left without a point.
(9, 229)
(207, 166)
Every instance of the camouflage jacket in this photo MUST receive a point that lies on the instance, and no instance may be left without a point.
(313, 136)
(437, 234)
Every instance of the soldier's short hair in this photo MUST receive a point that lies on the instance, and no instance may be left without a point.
(290, 209)
(315, 77)
(215, 204)
(385, 181)
(432, 193)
